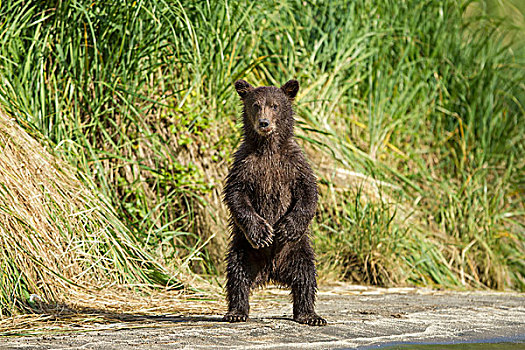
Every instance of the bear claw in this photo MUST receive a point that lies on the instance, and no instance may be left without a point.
(235, 318)
(262, 239)
(311, 320)
(263, 243)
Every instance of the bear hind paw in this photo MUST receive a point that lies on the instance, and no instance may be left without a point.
(234, 317)
(311, 319)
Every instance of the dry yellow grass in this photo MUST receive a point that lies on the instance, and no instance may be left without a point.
(111, 309)
(60, 242)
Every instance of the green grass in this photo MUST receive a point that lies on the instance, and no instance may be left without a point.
(412, 112)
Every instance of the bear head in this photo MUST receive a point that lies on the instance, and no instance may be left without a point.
(267, 109)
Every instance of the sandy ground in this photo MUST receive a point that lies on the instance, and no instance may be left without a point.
(358, 317)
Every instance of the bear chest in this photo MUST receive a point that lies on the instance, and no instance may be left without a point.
(271, 185)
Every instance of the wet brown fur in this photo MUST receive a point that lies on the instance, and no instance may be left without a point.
(271, 193)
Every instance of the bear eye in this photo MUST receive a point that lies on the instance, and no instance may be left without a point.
(257, 105)
(274, 107)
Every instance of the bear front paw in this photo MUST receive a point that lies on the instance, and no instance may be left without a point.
(261, 235)
(287, 231)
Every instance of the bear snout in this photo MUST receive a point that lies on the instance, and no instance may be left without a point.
(264, 123)
(263, 126)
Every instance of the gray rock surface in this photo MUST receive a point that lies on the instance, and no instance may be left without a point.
(358, 317)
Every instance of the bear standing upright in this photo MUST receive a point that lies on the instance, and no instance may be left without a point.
(271, 193)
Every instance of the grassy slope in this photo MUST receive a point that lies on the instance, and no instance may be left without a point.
(58, 237)
(416, 107)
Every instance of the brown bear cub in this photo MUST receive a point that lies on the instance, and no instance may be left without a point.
(271, 193)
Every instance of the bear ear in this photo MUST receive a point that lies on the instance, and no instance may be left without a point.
(242, 88)
(290, 88)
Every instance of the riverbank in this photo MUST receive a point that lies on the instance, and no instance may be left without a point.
(358, 317)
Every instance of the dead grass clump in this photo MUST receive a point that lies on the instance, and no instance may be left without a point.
(57, 236)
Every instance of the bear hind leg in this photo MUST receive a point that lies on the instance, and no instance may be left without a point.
(299, 273)
(238, 286)
(303, 293)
